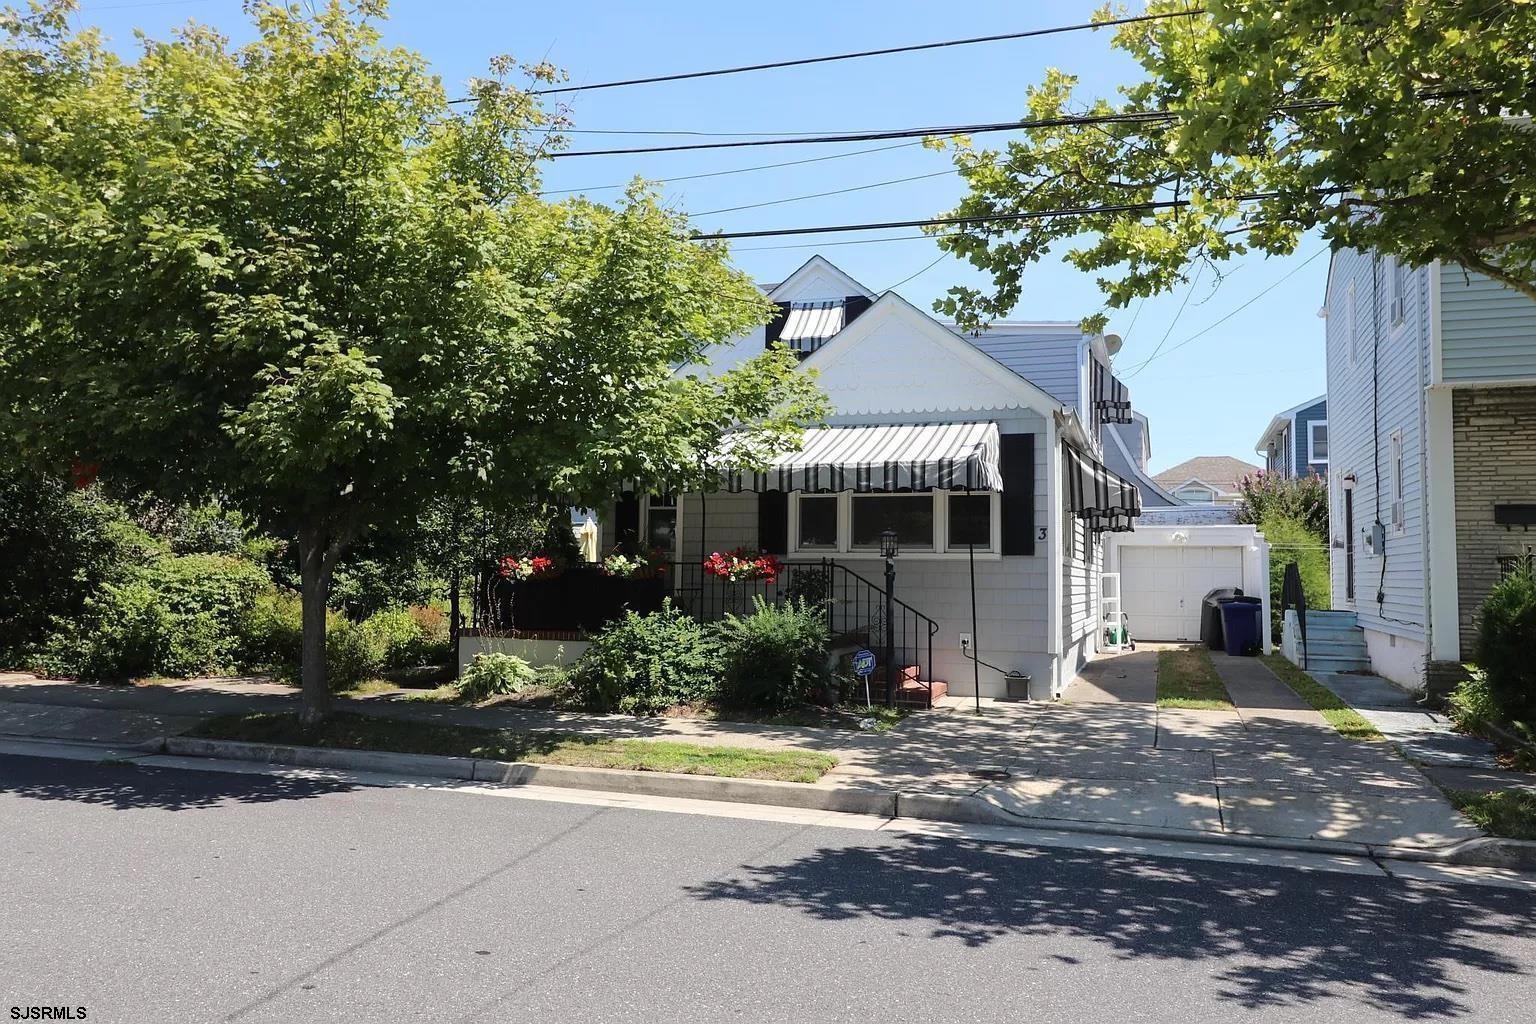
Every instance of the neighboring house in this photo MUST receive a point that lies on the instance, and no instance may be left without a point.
(1432, 481)
(1296, 441)
(1206, 480)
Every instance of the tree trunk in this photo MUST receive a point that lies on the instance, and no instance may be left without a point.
(315, 562)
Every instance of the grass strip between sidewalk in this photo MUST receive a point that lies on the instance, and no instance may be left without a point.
(1346, 721)
(1186, 678)
(348, 731)
(1510, 813)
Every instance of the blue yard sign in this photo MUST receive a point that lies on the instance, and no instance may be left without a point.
(864, 663)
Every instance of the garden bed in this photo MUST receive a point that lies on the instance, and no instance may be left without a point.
(349, 731)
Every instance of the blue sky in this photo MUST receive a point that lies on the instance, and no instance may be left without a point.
(1211, 396)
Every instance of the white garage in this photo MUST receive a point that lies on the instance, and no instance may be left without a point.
(1166, 571)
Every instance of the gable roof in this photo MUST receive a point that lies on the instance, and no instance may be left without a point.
(971, 378)
(819, 266)
(1282, 418)
(1221, 472)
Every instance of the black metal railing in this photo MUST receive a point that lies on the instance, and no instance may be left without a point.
(855, 606)
(860, 614)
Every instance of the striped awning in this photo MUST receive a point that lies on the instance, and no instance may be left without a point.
(808, 324)
(913, 457)
(1106, 501)
(1110, 397)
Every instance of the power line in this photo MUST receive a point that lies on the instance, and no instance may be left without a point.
(920, 273)
(1064, 121)
(913, 48)
(738, 170)
(818, 195)
(827, 245)
(1193, 281)
(1254, 298)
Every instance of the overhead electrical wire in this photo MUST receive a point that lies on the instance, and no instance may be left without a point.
(818, 195)
(860, 54)
(737, 170)
(1251, 300)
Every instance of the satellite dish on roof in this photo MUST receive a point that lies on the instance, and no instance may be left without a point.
(1112, 342)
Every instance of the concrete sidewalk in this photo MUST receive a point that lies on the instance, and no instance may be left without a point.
(1270, 771)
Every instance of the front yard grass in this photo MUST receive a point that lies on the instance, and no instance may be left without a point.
(349, 731)
(1510, 813)
(1186, 678)
(1345, 720)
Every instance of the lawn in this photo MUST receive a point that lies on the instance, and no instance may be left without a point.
(350, 731)
(1186, 678)
(1345, 720)
(1510, 813)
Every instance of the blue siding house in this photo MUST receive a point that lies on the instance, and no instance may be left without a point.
(1432, 454)
(1296, 441)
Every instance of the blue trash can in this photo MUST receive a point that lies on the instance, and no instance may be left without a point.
(1242, 625)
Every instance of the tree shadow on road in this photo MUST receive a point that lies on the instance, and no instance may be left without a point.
(123, 786)
(1275, 938)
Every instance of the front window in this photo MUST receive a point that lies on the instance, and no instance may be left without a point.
(818, 521)
(910, 515)
(970, 520)
(1197, 494)
(661, 524)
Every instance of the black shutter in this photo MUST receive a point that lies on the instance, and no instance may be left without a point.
(1016, 461)
(773, 522)
(626, 519)
(776, 325)
(853, 305)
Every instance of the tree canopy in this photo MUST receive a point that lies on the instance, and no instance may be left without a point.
(291, 273)
(1401, 127)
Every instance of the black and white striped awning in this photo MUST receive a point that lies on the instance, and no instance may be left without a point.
(912, 457)
(1110, 397)
(1106, 501)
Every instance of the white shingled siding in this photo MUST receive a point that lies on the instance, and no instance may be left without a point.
(1375, 392)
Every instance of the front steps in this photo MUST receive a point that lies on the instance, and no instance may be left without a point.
(913, 691)
(1335, 643)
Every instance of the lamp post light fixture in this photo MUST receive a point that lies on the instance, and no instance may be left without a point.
(888, 551)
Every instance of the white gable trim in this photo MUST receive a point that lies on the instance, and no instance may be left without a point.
(1142, 479)
(892, 308)
(819, 266)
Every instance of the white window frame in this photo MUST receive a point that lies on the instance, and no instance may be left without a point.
(1351, 326)
(941, 546)
(1397, 513)
(1312, 442)
(645, 524)
(1211, 492)
(1397, 292)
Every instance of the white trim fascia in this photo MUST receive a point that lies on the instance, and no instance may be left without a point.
(1443, 600)
(821, 263)
(1030, 396)
(1436, 330)
(1283, 417)
(1141, 477)
(1056, 553)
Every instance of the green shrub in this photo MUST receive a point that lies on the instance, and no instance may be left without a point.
(434, 643)
(1290, 540)
(776, 658)
(644, 664)
(1506, 638)
(1274, 495)
(494, 674)
(1472, 705)
(272, 638)
(59, 546)
(124, 631)
(397, 636)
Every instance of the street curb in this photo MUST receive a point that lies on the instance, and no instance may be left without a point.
(846, 799)
(967, 809)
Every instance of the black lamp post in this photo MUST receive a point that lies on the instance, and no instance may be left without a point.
(888, 551)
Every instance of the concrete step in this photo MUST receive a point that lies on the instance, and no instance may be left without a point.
(1353, 647)
(1336, 663)
(1340, 619)
(914, 693)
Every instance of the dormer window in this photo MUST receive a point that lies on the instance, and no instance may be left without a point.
(806, 326)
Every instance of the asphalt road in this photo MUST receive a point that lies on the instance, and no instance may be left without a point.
(149, 895)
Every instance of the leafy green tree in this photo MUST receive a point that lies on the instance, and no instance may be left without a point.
(295, 276)
(1304, 499)
(1400, 127)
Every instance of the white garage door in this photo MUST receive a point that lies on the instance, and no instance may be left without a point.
(1163, 586)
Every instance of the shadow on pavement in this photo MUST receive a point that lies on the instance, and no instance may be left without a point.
(127, 787)
(1273, 938)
